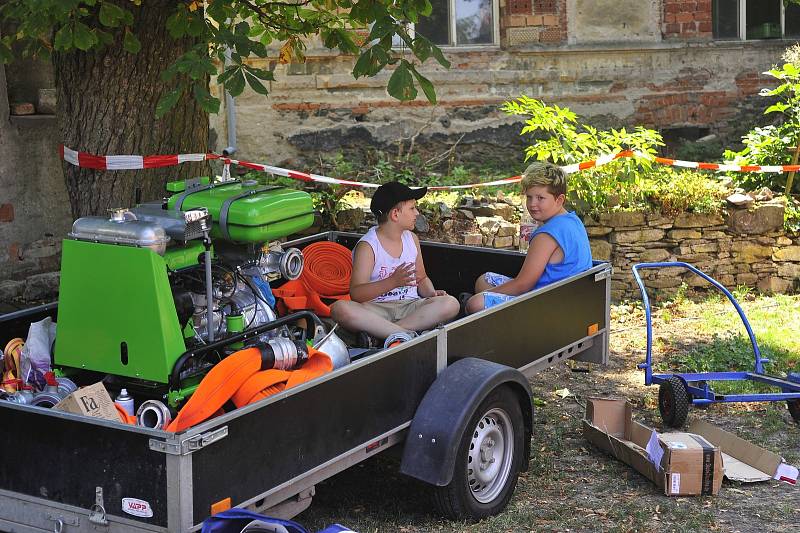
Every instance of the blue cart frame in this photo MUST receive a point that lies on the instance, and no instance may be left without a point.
(696, 386)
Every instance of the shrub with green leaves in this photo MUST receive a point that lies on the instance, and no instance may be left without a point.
(634, 183)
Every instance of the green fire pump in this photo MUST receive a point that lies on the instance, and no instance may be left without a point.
(145, 286)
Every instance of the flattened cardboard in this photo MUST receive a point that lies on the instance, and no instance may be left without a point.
(689, 464)
(92, 400)
(744, 461)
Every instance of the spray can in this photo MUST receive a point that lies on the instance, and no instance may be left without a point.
(526, 228)
(125, 401)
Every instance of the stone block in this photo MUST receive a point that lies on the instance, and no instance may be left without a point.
(711, 234)
(654, 256)
(726, 279)
(592, 231)
(774, 284)
(473, 239)
(790, 253)
(783, 241)
(466, 213)
(601, 250)
(351, 219)
(705, 248)
(681, 234)
(503, 242)
(746, 278)
(697, 220)
(750, 252)
(41, 286)
(620, 219)
(507, 229)
(46, 102)
(637, 236)
(11, 290)
(663, 282)
(763, 219)
(789, 270)
(488, 225)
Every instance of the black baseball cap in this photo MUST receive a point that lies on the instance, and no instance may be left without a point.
(390, 194)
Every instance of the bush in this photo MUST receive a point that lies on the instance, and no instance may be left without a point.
(677, 191)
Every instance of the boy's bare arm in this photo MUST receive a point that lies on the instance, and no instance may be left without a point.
(362, 289)
(425, 286)
(541, 249)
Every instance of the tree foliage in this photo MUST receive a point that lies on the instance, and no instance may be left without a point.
(227, 32)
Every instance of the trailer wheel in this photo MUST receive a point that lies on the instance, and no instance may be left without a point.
(673, 402)
(488, 460)
(794, 409)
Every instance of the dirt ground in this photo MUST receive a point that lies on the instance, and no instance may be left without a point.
(572, 486)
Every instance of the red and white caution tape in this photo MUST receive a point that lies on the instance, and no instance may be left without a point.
(135, 162)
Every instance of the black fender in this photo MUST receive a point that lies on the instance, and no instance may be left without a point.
(439, 423)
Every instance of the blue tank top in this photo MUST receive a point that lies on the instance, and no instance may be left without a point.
(568, 231)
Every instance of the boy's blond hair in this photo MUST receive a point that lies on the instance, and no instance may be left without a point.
(546, 174)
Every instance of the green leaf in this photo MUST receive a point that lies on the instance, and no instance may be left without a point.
(401, 83)
(5, 53)
(208, 103)
(427, 86)
(64, 38)
(437, 54)
(168, 101)
(83, 37)
(235, 84)
(130, 43)
(260, 73)
(110, 15)
(256, 85)
(177, 25)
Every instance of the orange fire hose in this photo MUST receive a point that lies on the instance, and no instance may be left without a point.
(326, 274)
(239, 377)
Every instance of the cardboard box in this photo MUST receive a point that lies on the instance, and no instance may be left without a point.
(92, 400)
(744, 461)
(681, 464)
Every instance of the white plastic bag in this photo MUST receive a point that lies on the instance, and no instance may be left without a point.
(35, 356)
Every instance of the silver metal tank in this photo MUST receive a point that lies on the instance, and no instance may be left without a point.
(122, 228)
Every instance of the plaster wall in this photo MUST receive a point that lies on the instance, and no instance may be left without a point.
(603, 21)
(34, 210)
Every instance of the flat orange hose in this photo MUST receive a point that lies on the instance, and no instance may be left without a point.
(239, 377)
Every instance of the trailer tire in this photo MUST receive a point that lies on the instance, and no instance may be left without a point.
(496, 427)
(794, 409)
(673, 402)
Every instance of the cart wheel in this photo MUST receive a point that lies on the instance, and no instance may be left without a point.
(794, 409)
(673, 402)
(487, 462)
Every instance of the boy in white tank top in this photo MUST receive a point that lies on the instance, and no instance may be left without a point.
(389, 289)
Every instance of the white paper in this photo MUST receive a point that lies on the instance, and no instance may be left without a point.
(654, 450)
(787, 473)
(675, 483)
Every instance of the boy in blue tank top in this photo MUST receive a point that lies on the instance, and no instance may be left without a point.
(559, 248)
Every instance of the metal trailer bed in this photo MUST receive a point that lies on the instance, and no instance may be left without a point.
(70, 473)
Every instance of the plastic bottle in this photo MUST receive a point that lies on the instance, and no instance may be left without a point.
(125, 401)
(526, 228)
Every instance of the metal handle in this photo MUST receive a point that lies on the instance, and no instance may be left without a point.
(59, 526)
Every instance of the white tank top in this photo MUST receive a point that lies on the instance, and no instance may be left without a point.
(385, 265)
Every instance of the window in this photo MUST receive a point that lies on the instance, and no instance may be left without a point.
(460, 23)
(754, 19)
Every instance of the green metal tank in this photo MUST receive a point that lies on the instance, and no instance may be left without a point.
(248, 212)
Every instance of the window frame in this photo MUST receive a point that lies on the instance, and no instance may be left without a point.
(452, 31)
(742, 30)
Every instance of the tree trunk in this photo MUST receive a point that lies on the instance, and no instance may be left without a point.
(106, 106)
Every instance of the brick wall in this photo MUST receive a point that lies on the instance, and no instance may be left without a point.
(687, 19)
(533, 21)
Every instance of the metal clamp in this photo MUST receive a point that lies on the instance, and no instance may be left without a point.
(226, 205)
(192, 444)
(603, 274)
(61, 521)
(97, 513)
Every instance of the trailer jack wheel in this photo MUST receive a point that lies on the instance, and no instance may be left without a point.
(488, 460)
(673, 402)
(794, 409)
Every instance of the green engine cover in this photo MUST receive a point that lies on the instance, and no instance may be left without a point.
(249, 213)
(116, 313)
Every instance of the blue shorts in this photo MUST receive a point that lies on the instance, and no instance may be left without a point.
(491, 299)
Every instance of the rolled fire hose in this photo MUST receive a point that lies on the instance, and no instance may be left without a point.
(326, 274)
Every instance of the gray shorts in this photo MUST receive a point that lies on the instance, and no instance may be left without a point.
(397, 310)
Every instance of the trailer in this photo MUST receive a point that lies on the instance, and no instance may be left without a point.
(456, 399)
